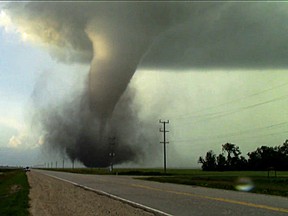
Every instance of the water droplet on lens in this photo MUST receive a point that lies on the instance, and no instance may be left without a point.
(244, 184)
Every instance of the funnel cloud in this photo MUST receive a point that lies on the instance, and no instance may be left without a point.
(117, 38)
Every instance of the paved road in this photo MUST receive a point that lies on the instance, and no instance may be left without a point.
(180, 199)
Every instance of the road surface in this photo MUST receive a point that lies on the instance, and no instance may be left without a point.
(173, 199)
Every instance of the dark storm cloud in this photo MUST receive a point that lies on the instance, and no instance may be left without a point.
(177, 34)
(63, 25)
(231, 35)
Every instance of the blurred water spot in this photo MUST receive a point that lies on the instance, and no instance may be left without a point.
(244, 184)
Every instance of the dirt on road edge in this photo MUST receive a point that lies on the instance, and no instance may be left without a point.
(53, 197)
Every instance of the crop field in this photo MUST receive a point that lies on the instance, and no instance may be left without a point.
(249, 181)
(14, 191)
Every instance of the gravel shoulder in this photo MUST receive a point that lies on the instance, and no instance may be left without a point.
(53, 197)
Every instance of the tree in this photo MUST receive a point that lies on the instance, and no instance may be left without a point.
(233, 163)
(209, 163)
(221, 162)
(241, 164)
(283, 151)
(264, 157)
(231, 149)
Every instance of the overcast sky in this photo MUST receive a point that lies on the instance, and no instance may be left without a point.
(219, 76)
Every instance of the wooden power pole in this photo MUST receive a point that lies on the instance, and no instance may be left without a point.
(164, 142)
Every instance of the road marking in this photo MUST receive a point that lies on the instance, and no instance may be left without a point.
(138, 205)
(215, 198)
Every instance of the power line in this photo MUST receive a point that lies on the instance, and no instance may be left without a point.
(190, 115)
(223, 136)
(200, 117)
(226, 113)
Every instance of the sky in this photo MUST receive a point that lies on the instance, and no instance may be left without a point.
(217, 72)
(21, 65)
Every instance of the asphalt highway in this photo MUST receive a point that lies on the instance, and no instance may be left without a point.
(173, 199)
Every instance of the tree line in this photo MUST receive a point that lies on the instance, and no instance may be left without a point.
(262, 158)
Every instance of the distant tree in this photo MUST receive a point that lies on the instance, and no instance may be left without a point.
(235, 162)
(241, 164)
(254, 160)
(263, 158)
(283, 152)
(284, 148)
(231, 149)
(221, 162)
(228, 147)
(209, 163)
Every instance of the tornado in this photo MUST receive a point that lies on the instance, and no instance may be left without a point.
(113, 37)
(117, 38)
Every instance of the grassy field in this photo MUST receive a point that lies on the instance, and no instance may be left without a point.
(256, 182)
(14, 190)
(253, 181)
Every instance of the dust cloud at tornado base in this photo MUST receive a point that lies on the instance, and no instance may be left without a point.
(118, 39)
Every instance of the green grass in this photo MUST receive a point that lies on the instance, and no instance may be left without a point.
(105, 171)
(14, 191)
(230, 180)
(98, 171)
(222, 180)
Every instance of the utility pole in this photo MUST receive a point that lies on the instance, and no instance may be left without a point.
(73, 163)
(112, 142)
(164, 131)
